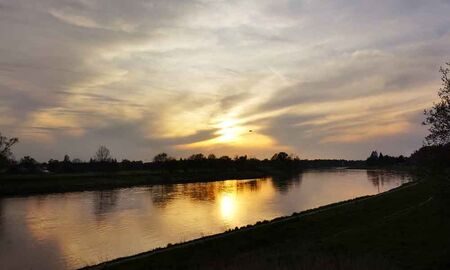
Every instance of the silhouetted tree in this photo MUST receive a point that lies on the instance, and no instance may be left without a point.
(162, 157)
(28, 164)
(280, 156)
(199, 156)
(432, 156)
(376, 159)
(438, 117)
(66, 158)
(372, 159)
(240, 158)
(5, 149)
(103, 154)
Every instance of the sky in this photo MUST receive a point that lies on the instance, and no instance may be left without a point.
(320, 79)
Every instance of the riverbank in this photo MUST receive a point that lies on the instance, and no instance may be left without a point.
(407, 228)
(45, 183)
(24, 185)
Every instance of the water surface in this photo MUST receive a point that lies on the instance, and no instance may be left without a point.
(71, 230)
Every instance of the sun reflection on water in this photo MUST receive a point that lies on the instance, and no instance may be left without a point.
(228, 206)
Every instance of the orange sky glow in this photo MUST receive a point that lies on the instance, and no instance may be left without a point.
(223, 77)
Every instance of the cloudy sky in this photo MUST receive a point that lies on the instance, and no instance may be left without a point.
(330, 79)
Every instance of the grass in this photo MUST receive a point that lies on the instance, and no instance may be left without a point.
(407, 228)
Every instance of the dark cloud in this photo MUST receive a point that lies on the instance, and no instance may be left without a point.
(383, 74)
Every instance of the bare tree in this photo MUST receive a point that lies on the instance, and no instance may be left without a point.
(5, 149)
(438, 117)
(103, 154)
(6, 145)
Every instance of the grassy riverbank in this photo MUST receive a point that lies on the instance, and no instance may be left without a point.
(21, 185)
(408, 228)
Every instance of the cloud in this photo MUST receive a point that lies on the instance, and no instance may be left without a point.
(314, 77)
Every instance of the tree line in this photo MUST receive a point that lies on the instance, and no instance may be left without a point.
(103, 161)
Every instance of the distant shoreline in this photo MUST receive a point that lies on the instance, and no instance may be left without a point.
(27, 185)
(21, 185)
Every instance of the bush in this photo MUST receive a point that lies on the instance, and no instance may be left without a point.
(433, 156)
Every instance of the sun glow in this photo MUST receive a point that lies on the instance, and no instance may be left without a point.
(228, 131)
(233, 132)
(228, 206)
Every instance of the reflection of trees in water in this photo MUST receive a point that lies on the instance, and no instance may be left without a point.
(200, 191)
(380, 178)
(210, 191)
(162, 195)
(105, 201)
(282, 183)
(251, 185)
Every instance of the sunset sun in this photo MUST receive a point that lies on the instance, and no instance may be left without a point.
(228, 131)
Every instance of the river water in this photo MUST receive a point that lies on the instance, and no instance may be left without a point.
(71, 230)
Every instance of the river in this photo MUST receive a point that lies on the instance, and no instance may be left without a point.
(71, 230)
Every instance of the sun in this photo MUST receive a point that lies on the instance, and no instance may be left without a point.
(233, 132)
(228, 131)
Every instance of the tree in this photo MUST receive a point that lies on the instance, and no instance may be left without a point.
(103, 154)
(438, 117)
(66, 158)
(373, 158)
(6, 144)
(28, 164)
(240, 158)
(162, 157)
(5, 149)
(199, 156)
(280, 156)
